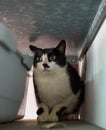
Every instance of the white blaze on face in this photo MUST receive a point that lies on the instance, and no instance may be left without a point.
(44, 59)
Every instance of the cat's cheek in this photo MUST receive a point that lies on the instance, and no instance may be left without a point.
(40, 67)
(52, 66)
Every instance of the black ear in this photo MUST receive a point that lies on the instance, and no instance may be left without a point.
(34, 49)
(62, 46)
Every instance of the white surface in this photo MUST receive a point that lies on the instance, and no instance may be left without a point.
(31, 106)
(95, 101)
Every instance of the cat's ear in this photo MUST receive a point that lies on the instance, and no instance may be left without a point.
(62, 46)
(34, 49)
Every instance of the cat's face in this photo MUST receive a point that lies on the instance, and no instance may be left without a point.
(49, 60)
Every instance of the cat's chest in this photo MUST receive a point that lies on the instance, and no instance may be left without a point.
(53, 89)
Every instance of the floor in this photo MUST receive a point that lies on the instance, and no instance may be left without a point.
(32, 125)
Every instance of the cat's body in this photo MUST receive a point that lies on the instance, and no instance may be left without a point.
(58, 88)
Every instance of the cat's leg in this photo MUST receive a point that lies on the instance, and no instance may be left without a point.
(68, 103)
(53, 116)
(73, 116)
(76, 112)
(42, 112)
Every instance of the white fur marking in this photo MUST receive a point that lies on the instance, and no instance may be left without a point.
(44, 116)
(44, 59)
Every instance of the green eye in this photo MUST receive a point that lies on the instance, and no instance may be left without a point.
(51, 58)
(38, 59)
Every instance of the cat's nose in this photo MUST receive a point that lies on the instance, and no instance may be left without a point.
(45, 65)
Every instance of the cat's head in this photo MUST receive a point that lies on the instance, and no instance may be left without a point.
(49, 59)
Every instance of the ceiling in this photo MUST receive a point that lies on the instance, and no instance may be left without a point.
(45, 22)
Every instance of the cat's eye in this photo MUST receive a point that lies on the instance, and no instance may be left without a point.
(38, 59)
(52, 58)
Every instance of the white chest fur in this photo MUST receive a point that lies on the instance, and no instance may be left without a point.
(53, 88)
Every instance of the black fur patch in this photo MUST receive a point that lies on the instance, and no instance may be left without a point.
(80, 98)
(40, 111)
(59, 113)
(74, 79)
(60, 57)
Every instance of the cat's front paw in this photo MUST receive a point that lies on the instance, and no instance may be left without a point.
(43, 117)
(53, 118)
(42, 113)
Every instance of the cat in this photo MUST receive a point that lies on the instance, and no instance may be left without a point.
(58, 87)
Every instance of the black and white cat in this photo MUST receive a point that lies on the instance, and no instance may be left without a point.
(58, 87)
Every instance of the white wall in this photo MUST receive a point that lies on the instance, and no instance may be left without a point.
(95, 101)
(31, 107)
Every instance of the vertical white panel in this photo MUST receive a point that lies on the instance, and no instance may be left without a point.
(31, 105)
(95, 100)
